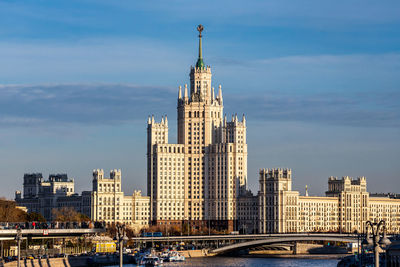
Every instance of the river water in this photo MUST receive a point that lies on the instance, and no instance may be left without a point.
(253, 262)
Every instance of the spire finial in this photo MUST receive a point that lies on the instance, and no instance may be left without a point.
(200, 28)
(200, 63)
(220, 94)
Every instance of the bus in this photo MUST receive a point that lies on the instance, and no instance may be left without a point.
(151, 234)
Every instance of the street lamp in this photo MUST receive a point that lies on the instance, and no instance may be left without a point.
(188, 226)
(244, 227)
(375, 231)
(18, 238)
(209, 219)
(121, 237)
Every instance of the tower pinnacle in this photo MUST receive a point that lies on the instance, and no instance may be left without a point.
(200, 63)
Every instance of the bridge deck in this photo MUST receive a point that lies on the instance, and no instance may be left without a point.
(235, 237)
(9, 234)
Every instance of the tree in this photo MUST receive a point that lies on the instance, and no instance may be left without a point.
(68, 214)
(35, 217)
(10, 213)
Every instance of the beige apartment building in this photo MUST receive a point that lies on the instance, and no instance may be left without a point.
(200, 178)
(345, 208)
(247, 214)
(140, 210)
(109, 204)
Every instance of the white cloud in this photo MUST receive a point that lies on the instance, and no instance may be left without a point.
(93, 60)
(103, 104)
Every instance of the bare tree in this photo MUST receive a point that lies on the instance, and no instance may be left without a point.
(68, 214)
(10, 213)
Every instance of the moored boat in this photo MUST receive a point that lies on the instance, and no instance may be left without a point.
(151, 260)
(172, 256)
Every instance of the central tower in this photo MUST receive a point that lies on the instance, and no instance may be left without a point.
(200, 77)
(199, 115)
(212, 160)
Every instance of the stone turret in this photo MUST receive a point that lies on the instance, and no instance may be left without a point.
(115, 174)
(98, 174)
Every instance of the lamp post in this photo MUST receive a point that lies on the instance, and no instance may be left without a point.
(167, 234)
(188, 227)
(358, 247)
(18, 238)
(375, 231)
(209, 225)
(121, 237)
(244, 227)
(209, 219)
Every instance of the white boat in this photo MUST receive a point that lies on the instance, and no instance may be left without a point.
(172, 256)
(150, 260)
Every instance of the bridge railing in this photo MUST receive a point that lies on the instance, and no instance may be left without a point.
(51, 225)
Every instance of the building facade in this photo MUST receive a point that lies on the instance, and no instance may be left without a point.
(42, 196)
(105, 203)
(201, 177)
(110, 205)
(140, 210)
(248, 213)
(346, 207)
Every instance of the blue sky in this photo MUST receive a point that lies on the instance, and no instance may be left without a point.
(319, 82)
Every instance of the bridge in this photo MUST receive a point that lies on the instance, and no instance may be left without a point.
(285, 238)
(9, 234)
(288, 236)
(225, 244)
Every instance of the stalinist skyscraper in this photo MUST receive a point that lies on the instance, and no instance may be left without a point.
(200, 178)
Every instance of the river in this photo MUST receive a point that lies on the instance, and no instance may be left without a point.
(253, 262)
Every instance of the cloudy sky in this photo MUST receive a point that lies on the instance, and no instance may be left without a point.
(319, 82)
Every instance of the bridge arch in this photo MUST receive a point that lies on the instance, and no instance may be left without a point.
(272, 240)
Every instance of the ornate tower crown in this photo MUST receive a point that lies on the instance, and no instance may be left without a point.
(200, 63)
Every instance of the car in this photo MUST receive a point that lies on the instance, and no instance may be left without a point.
(30, 257)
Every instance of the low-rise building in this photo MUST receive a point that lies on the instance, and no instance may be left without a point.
(140, 210)
(106, 202)
(42, 196)
(111, 205)
(346, 207)
(107, 197)
(247, 213)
